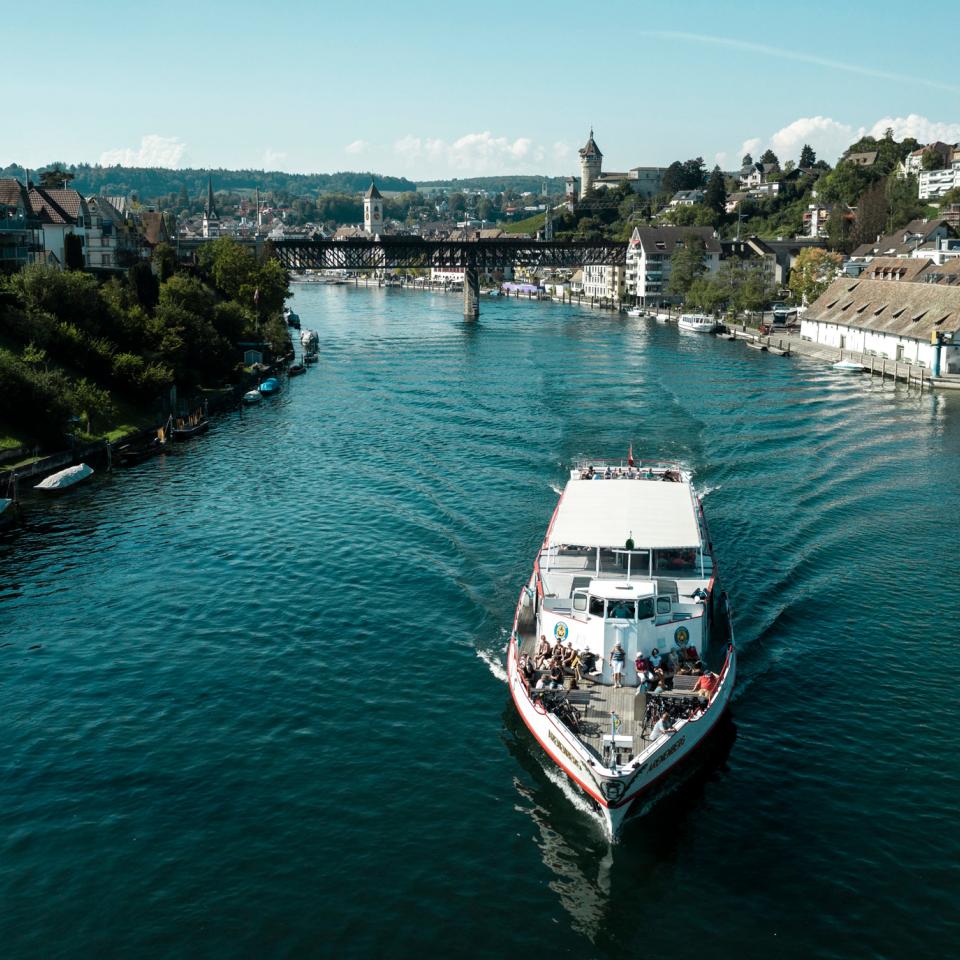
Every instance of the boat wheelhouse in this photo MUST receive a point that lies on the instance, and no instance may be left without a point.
(627, 560)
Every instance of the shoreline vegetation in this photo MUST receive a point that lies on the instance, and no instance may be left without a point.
(88, 359)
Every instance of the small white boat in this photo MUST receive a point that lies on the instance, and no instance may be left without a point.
(252, 396)
(697, 323)
(634, 312)
(848, 365)
(65, 478)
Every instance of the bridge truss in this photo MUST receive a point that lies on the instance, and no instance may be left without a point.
(483, 256)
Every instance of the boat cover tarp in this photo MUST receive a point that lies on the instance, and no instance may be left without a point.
(656, 514)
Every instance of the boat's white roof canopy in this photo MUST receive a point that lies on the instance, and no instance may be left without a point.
(656, 514)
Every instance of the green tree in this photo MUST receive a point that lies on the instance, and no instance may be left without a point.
(91, 402)
(813, 271)
(871, 214)
(56, 178)
(747, 160)
(73, 252)
(807, 157)
(768, 156)
(686, 265)
(716, 195)
(164, 261)
(932, 160)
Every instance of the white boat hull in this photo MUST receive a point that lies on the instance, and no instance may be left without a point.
(65, 479)
(614, 793)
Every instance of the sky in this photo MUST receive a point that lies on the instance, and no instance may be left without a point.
(449, 89)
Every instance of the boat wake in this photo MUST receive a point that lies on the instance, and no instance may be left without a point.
(494, 662)
(557, 490)
(706, 491)
(573, 795)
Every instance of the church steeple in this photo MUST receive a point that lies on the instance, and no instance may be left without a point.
(211, 222)
(210, 210)
(373, 210)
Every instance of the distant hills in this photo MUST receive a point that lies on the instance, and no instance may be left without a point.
(156, 183)
(153, 183)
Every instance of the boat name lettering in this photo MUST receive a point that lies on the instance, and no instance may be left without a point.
(663, 756)
(564, 749)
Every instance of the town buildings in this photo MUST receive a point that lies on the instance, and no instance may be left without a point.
(913, 321)
(647, 274)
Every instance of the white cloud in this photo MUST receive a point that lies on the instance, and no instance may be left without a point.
(154, 151)
(475, 154)
(828, 137)
(358, 146)
(751, 146)
(273, 158)
(720, 159)
(926, 131)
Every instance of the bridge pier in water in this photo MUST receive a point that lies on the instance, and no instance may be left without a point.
(471, 293)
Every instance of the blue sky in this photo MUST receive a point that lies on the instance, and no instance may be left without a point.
(432, 89)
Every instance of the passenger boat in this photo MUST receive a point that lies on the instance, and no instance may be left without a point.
(65, 479)
(627, 559)
(270, 385)
(697, 322)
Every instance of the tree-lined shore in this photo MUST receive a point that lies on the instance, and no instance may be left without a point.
(79, 355)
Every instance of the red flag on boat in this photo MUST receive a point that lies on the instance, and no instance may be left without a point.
(630, 456)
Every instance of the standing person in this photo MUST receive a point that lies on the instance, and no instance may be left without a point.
(618, 657)
(644, 671)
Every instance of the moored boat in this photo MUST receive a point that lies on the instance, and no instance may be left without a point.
(848, 365)
(252, 396)
(188, 429)
(635, 312)
(311, 358)
(132, 453)
(295, 369)
(8, 513)
(697, 323)
(65, 479)
(269, 386)
(625, 585)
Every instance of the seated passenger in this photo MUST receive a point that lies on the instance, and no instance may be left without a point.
(705, 686)
(689, 659)
(656, 663)
(526, 669)
(543, 652)
(556, 675)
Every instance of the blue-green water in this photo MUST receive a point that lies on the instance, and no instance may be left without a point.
(249, 692)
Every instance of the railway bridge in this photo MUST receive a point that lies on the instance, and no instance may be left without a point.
(474, 257)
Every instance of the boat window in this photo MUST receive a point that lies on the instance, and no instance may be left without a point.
(596, 607)
(580, 602)
(621, 610)
(663, 605)
(645, 608)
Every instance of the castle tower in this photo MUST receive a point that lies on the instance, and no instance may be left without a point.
(373, 210)
(211, 222)
(591, 160)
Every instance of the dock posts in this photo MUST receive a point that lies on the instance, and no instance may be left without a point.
(471, 293)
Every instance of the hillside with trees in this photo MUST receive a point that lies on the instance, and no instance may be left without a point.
(104, 354)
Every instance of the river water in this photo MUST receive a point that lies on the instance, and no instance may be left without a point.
(251, 694)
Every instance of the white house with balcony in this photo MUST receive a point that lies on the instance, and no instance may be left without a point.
(648, 259)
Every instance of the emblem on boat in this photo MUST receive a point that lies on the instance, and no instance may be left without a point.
(681, 635)
(560, 631)
(612, 789)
